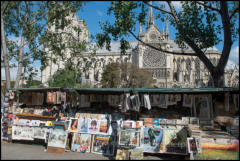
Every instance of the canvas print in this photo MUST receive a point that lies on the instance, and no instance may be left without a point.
(103, 126)
(122, 154)
(39, 133)
(175, 141)
(192, 145)
(222, 150)
(148, 122)
(155, 122)
(81, 142)
(136, 154)
(73, 125)
(187, 100)
(83, 124)
(153, 141)
(57, 138)
(103, 144)
(139, 124)
(127, 124)
(93, 126)
(35, 123)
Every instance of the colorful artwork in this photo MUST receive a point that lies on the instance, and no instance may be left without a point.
(192, 145)
(148, 122)
(127, 124)
(122, 154)
(153, 140)
(219, 151)
(81, 142)
(155, 122)
(93, 126)
(82, 124)
(57, 138)
(139, 124)
(103, 126)
(129, 137)
(175, 141)
(136, 154)
(74, 125)
(27, 133)
(103, 144)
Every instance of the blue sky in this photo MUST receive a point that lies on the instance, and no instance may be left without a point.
(95, 11)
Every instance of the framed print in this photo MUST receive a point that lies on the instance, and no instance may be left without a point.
(73, 125)
(187, 100)
(175, 141)
(16, 132)
(103, 126)
(103, 144)
(139, 124)
(49, 123)
(39, 133)
(57, 138)
(155, 122)
(27, 133)
(35, 123)
(136, 154)
(192, 145)
(127, 124)
(148, 122)
(83, 124)
(93, 126)
(153, 140)
(81, 142)
(122, 154)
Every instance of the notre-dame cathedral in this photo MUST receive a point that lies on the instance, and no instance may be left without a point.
(169, 71)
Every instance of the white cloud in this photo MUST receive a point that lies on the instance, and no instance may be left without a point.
(233, 58)
(99, 13)
(177, 5)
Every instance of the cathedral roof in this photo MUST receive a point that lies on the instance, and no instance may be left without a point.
(177, 49)
(115, 48)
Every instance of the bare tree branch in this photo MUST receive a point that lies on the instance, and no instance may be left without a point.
(207, 6)
(160, 9)
(4, 9)
(160, 49)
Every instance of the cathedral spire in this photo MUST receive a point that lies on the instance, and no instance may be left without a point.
(150, 16)
(166, 29)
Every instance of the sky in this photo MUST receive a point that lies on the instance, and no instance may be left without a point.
(95, 11)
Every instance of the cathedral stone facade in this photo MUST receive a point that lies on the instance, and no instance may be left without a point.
(169, 71)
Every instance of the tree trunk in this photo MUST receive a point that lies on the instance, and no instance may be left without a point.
(19, 71)
(5, 54)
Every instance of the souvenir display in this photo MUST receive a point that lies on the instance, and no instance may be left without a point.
(153, 141)
(81, 142)
(57, 138)
(175, 141)
(27, 133)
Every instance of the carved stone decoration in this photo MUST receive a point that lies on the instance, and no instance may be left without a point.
(153, 59)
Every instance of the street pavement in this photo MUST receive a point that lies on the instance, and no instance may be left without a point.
(18, 151)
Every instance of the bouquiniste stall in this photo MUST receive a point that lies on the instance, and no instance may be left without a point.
(126, 123)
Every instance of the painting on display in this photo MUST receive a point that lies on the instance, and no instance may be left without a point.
(148, 122)
(153, 140)
(74, 125)
(81, 142)
(175, 141)
(83, 124)
(155, 122)
(57, 138)
(128, 124)
(103, 126)
(129, 137)
(93, 126)
(103, 144)
(122, 154)
(136, 154)
(39, 133)
(218, 149)
(192, 145)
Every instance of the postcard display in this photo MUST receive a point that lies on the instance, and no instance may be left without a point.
(6, 116)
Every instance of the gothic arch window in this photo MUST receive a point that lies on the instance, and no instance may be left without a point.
(178, 65)
(175, 76)
(197, 68)
(214, 62)
(125, 60)
(174, 65)
(188, 65)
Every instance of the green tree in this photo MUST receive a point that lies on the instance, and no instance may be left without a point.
(199, 25)
(111, 76)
